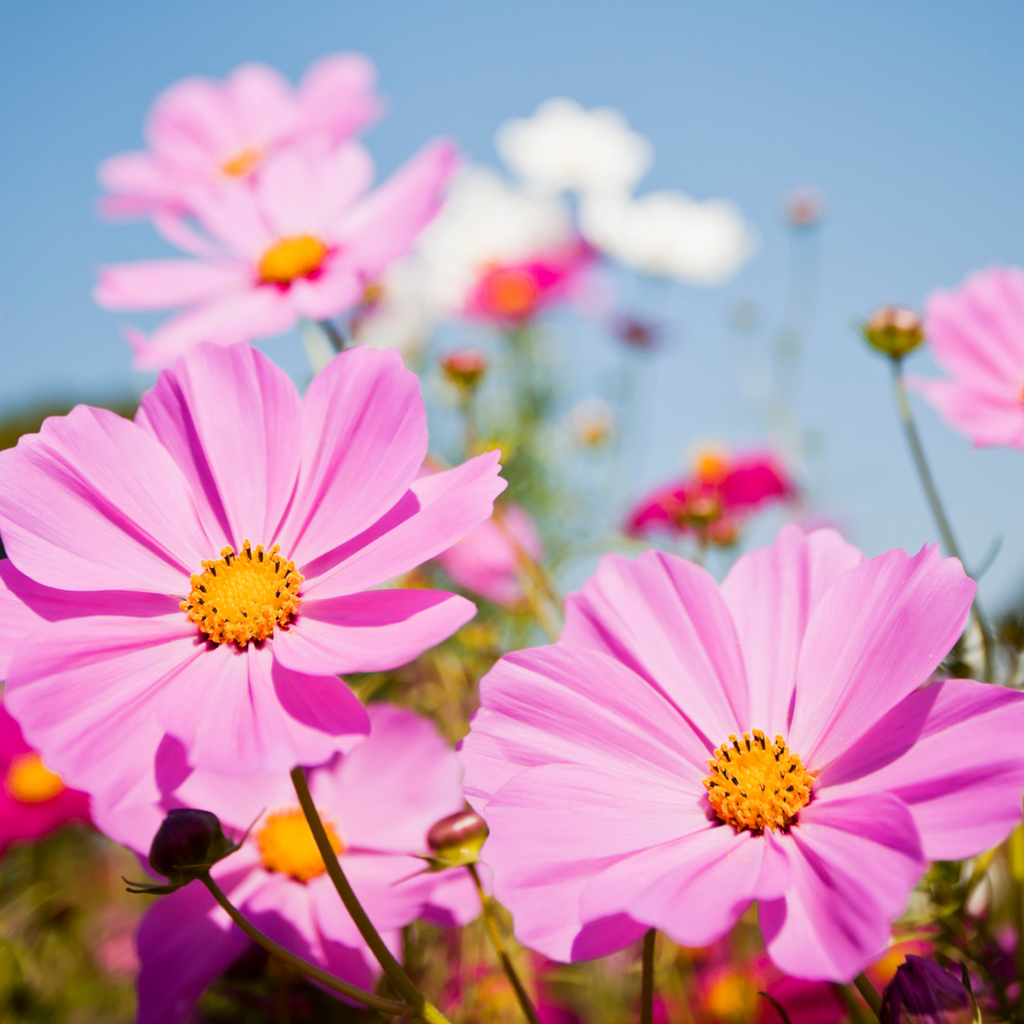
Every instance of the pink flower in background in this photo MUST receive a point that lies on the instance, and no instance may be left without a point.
(33, 801)
(721, 492)
(685, 749)
(202, 132)
(489, 560)
(304, 241)
(977, 335)
(377, 802)
(204, 572)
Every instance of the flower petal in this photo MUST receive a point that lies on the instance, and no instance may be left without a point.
(370, 632)
(336, 95)
(160, 284)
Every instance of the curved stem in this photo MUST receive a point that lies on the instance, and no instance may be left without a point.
(375, 1002)
(336, 337)
(498, 943)
(869, 992)
(423, 1009)
(647, 979)
(932, 494)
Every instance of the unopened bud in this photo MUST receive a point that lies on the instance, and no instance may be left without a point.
(188, 844)
(637, 333)
(804, 207)
(894, 331)
(922, 992)
(465, 367)
(456, 840)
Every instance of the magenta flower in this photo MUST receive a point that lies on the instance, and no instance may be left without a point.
(304, 241)
(377, 803)
(206, 571)
(977, 335)
(33, 801)
(685, 749)
(489, 560)
(202, 132)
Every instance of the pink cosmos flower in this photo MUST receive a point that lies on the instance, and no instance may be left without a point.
(202, 132)
(685, 749)
(377, 802)
(977, 335)
(304, 241)
(722, 490)
(489, 560)
(33, 801)
(204, 572)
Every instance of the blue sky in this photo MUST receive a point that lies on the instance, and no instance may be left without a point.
(907, 115)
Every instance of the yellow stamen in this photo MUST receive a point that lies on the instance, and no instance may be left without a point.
(755, 785)
(287, 845)
(290, 258)
(512, 292)
(242, 163)
(29, 781)
(712, 466)
(242, 597)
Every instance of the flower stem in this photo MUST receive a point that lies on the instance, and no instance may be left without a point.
(375, 1002)
(423, 1009)
(932, 494)
(498, 943)
(647, 979)
(863, 985)
(337, 339)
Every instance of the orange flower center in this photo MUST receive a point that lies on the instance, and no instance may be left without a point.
(756, 785)
(242, 163)
(512, 292)
(287, 845)
(29, 781)
(732, 998)
(242, 597)
(712, 466)
(291, 258)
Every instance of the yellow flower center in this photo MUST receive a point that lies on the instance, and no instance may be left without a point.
(298, 256)
(732, 999)
(287, 845)
(29, 781)
(712, 466)
(242, 163)
(756, 785)
(512, 292)
(242, 597)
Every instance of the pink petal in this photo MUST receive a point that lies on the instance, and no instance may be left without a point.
(771, 594)
(878, 633)
(158, 284)
(364, 438)
(233, 216)
(854, 863)
(336, 95)
(172, 226)
(262, 102)
(575, 706)
(334, 290)
(231, 420)
(191, 123)
(665, 619)
(370, 632)
(433, 513)
(139, 183)
(92, 502)
(453, 901)
(986, 418)
(951, 752)
(282, 909)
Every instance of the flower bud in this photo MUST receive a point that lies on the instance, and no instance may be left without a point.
(804, 207)
(922, 992)
(637, 333)
(465, 367)
(188, 843)
(893, 331)
(456, 840)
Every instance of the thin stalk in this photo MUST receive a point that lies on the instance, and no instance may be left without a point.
(493, 932)
(863, 985)
(375, 1002)
(932, 494)
(647, 979)
(336, 337)
(418, 1004)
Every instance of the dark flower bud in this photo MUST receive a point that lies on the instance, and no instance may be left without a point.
(465, 367)
(456, 840)
(922, 992)
(637, 333)
(893, 331)
(188, 843)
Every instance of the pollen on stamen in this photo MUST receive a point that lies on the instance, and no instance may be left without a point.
(755, 785)
(242, 597)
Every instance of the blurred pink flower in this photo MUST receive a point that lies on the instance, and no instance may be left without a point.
(136, 610)
(378, 803)
(202, 132)
(33, 801)
(977, 335)
(489, 560)
(304, 241)
(589, 759)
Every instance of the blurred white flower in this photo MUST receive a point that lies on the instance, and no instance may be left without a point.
(668, 234)
(564, 147)
(592, 421)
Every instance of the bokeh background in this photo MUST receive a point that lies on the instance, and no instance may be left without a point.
(907, 116)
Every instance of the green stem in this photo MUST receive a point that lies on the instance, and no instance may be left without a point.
(932, 494)
(498, 943)
(647, 979)
(863, 985)
(337, 339)
(423, 1009)
(375, 1002)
